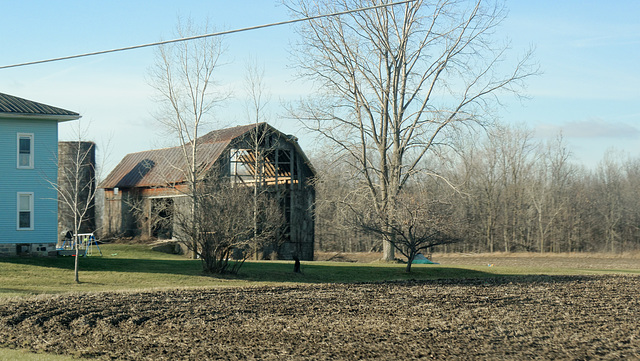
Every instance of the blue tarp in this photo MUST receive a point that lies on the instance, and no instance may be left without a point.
(421, 259)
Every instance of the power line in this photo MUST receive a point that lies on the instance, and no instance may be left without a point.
(227, 32)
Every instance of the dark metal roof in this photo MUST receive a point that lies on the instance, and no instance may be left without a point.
(14, 106)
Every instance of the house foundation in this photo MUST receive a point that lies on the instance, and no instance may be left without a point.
(28, 249)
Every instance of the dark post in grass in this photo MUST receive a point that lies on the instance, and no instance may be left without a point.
(296, 265)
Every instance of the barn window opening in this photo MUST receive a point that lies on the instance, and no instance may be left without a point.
(268, 167)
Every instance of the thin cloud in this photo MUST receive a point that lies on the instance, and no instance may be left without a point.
(593, 128)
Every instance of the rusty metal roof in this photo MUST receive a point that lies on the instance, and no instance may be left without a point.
(167, 166)
(14, 106)
(162, 167)
(227, 134)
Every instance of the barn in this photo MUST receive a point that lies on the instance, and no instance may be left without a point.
(143, 189)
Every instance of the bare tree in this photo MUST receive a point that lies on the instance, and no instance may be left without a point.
(608, 199)
(256, 105)
(393, 81)
(226, 230)
(76, 190)
(549, 192)
(183, 77)
(420, 222)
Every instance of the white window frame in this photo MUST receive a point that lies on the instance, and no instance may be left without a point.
(31, 141)
(31, 211)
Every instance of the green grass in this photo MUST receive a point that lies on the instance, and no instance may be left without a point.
(121, 268)
(136, 267)
(23, 355)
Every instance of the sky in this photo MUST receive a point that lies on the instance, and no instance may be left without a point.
(588, 53)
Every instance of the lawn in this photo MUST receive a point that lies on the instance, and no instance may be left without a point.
(137, 267)
(24, 355)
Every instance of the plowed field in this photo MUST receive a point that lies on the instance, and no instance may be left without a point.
(514, 318)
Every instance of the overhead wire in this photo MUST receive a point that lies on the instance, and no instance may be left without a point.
(220, 33)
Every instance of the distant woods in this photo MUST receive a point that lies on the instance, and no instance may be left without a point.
(506, 192)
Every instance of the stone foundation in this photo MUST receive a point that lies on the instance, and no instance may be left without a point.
(28, 249)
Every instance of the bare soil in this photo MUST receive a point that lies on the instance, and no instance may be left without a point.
(511, 318)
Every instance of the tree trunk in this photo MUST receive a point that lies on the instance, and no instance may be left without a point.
(388, 252)
(409, 262)
(75, 268)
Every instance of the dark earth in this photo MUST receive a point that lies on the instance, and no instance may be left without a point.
(509, 318)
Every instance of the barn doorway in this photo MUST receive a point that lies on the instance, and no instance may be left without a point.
(162, 218)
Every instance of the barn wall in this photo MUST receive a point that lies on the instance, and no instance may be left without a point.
(302, 217)
(294, 182)
(118, 218)
(112, 214)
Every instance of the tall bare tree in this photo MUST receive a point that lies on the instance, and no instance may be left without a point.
(184, 79)
(256, 107)
(393, 81)
(549, 192)
(609, 200)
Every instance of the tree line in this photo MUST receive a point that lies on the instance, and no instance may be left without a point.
(508, 192)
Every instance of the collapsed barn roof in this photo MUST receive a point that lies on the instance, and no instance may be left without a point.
(161, 167)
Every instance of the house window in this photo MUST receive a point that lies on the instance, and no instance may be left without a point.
(25, 211)
(25, 151)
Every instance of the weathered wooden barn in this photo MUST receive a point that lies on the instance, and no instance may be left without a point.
(143, 189)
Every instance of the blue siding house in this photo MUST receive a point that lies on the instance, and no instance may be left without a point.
(28, 162)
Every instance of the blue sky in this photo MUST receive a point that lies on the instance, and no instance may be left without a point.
(588, 51)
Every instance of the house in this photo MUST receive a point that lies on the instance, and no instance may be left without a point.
(28, 202)
(144, 187)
